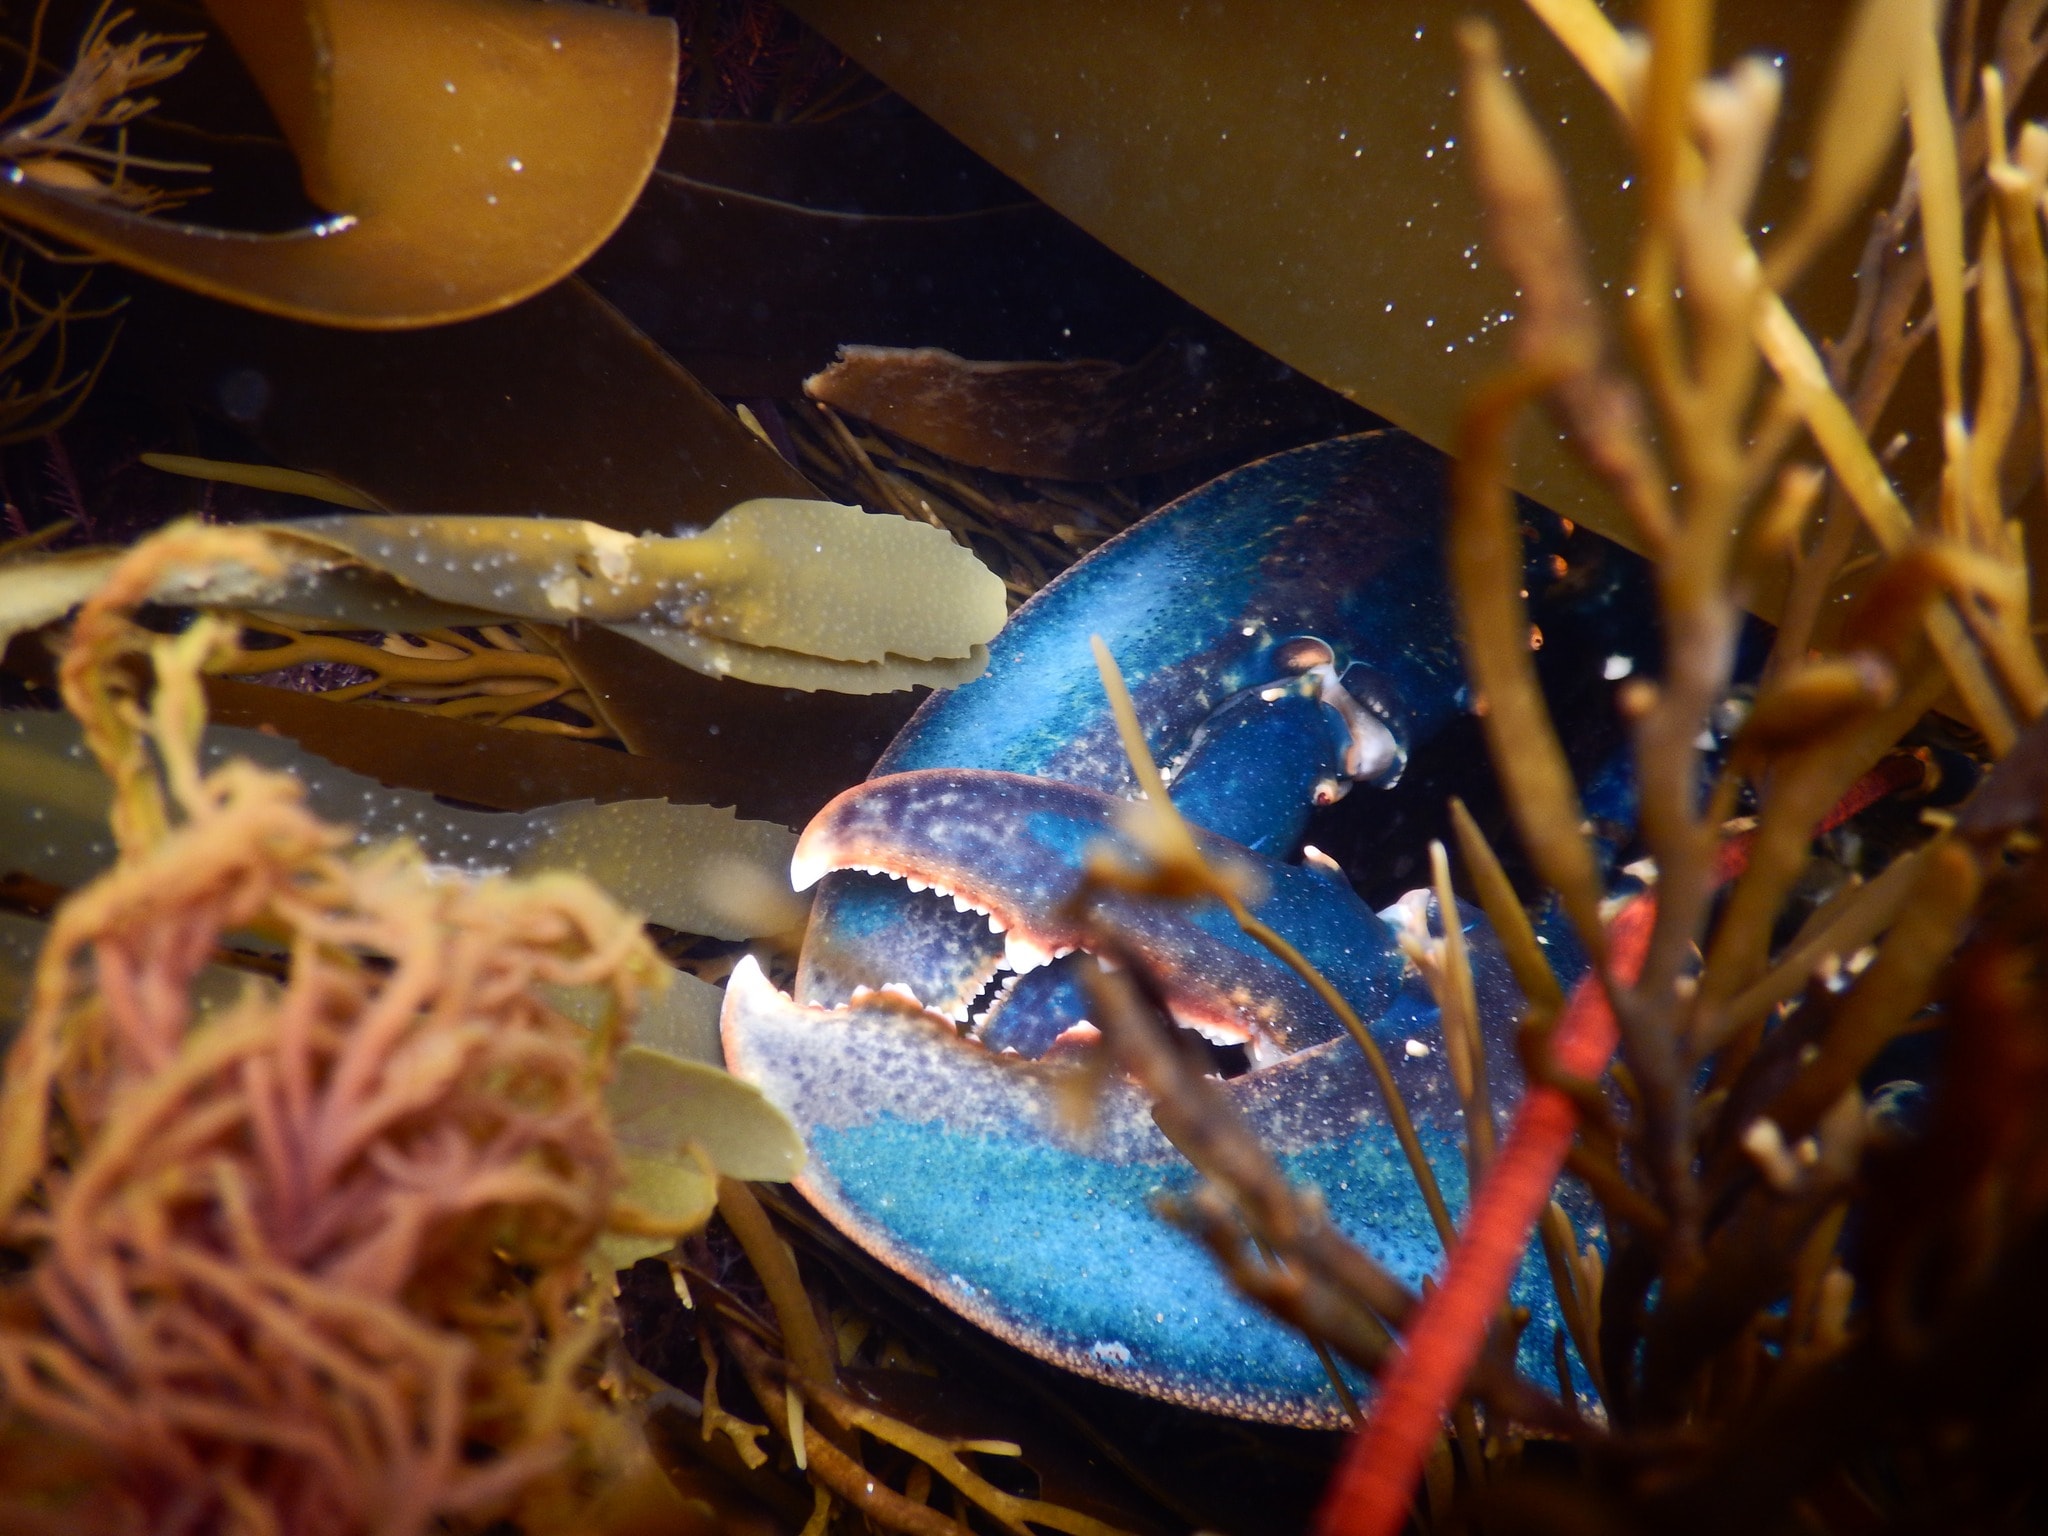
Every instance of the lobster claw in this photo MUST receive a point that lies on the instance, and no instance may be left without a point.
(1016, 849)
(956, 1162)
(964, 1170)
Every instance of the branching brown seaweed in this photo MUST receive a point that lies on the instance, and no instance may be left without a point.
(498, 674)
(67, 127)
(73, 134)
(1730, 1144)
(855, 1461)
(316, 1262)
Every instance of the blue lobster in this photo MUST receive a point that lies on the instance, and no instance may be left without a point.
(1286, 635)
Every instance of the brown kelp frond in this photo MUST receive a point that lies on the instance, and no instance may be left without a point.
(578, 123)
(498, 674)
(315, 1261)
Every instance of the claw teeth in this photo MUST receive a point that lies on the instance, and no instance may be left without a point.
(961, 904)
(900, 989)
(1021, 954)
(1263, 1050)
(1004, 987)
(1221, 1032)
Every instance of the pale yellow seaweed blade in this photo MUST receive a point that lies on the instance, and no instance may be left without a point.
(40, 589)
(537, 568)
(660, 1102)
(312, 588)
(788, 669)
(792, 594)
(836, 582)
(264, 477)
(677, 1193)
(674, 863)
(680, 1019)
(689, 867)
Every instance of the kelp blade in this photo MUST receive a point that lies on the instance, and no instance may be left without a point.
(472, 151)
(671, 862)
(1296, 171)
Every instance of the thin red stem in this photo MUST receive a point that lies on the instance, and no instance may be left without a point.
(1370, 1494)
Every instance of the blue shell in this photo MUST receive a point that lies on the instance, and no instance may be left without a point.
(1283, 629)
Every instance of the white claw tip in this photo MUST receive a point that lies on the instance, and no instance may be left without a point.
(807, 868)
(748, 978)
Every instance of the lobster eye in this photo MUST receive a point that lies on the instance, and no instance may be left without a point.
(1301, 654)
